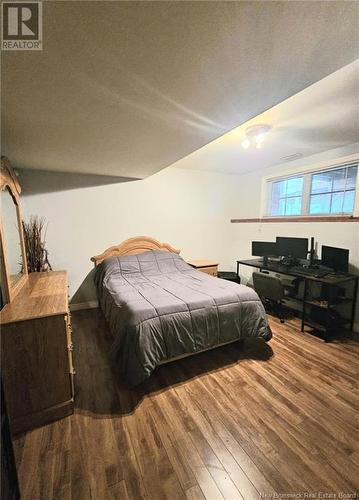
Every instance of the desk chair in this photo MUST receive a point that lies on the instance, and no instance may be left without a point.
(271, 290)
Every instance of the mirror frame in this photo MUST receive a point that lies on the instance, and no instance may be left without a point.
(8, 179)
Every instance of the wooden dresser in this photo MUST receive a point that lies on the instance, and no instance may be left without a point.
(36, 352)
(206, 266)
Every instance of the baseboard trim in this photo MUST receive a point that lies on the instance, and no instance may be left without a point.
(91, 304)
(25, 423)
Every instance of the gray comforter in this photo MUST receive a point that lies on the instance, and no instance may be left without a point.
(158, 307)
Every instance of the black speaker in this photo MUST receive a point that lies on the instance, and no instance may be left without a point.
(230, 276)
(311, 252)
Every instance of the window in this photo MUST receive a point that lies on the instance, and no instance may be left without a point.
(333, 191)
(287, 196)
(324, 192)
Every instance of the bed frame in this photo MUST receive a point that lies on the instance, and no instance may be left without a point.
(139, 244)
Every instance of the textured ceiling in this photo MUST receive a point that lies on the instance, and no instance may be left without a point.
(321, 117)
(128, 88)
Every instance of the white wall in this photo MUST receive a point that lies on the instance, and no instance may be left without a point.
(250, 195)
(189, 209)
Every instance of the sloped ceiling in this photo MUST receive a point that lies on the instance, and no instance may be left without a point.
(128, 88)
(321, 117)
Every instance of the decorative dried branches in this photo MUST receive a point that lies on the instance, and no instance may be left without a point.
(36, 253)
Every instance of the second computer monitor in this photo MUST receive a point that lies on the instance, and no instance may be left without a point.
(264, 249)
(335, 258)
(292, 247)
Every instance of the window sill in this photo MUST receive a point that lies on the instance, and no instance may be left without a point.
(299, 218)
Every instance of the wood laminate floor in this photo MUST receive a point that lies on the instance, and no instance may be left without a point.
(239, 422)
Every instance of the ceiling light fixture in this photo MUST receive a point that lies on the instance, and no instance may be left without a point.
(255, 135)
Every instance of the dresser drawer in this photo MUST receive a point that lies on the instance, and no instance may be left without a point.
(35, 362)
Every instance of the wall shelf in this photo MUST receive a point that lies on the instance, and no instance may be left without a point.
(314, 218)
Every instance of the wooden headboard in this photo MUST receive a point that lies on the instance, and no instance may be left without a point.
(132, 246)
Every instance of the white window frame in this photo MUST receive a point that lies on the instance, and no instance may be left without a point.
(307, 174)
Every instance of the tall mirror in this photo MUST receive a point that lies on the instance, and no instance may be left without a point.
(11, 236)
(13, 258)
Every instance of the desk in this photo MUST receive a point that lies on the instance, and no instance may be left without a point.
(331, 281)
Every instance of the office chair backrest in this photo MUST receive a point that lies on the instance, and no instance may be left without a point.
(269, 287)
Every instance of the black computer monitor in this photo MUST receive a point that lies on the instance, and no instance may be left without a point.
(292, 247)
(335, 258)
(264, 249)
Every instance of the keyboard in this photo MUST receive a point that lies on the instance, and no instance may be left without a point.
(305, 271)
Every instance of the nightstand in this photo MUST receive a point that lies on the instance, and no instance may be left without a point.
(206, 266)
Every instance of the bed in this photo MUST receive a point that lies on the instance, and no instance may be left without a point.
(159, 308)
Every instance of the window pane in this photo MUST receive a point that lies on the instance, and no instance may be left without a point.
(351, 178)
(319, 204)
(279, 189)
(294, 186)
(281, 210)
(294, 206)
(339, 179)
(274, 209)
(322, 183)
(343, 202)
(337, 203)
(277, 206)
(278, 192)
(286, 196)
(348, 206)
